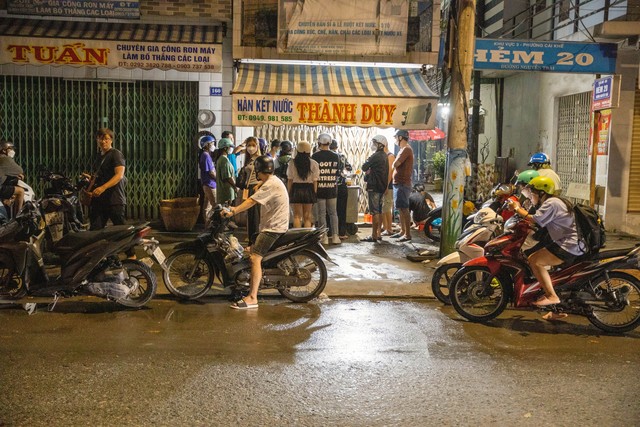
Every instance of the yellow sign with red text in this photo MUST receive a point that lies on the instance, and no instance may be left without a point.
(111, 54)
(405, 113)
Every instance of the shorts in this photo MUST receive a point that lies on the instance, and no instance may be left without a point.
(387, 202)
(401, 194)
(302, 193)
(264, 242)
(6, 191)
(555, 249)
(375, 202)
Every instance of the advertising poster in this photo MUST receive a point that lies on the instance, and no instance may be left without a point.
(602, 132)
(344, 27)
(111, 54)
(80, 8)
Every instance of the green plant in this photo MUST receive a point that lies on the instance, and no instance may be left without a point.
(439, 163)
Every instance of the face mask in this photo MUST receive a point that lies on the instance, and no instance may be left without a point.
(252, 150)
(212, 148)
(11, 153)
(230, 150)
(373, 146)
(526, 192)
(534, 198)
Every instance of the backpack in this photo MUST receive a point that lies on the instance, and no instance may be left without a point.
(590, 227)
(281, 170)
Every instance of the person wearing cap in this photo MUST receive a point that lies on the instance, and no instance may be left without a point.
(10, 173)
(376, 170)
(327, 188)
(207, 175)
(402, 172)
(226, 182)
(387, 199)
(343, 193)
(302, 182)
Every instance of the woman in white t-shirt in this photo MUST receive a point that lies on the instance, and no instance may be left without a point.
(303, 173)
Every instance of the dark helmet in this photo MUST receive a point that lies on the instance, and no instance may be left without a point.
(264, 164)
(5, 145)
(285, 147)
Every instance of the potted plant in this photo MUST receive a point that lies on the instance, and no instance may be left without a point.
(439, 163)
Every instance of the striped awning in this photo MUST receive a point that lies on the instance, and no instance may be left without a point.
(118, 31)
(324, 80)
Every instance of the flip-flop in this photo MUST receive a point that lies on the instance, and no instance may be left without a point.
(544, 301)
(242, 305)
(555, 316)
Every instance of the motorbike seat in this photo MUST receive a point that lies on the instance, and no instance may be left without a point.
(292, 235)
(74, 240)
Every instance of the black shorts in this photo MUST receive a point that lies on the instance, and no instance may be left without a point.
(555, 249)
(6, 191)
(302, 193)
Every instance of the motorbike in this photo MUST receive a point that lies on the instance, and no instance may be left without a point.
(294, 265)
(433, 222)
(86, 263)
(480, 227)
(593, 286)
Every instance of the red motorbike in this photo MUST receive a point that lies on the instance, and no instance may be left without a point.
(594, 286)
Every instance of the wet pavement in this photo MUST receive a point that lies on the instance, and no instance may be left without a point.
(372, 362)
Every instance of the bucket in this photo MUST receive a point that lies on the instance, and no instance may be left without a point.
(368, 218)
(179, 214)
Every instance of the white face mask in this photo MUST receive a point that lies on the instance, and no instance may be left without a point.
(252, 150)
(230, 150)
(373, 146)
(11, 153)
(526, 192)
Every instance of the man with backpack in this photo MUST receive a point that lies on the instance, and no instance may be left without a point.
(561, 246)
(282, 160)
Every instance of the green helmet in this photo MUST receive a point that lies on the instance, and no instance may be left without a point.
(543, 183)
(525, 176)
(224, 143)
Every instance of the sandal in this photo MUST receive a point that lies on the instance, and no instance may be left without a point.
(369, 239)
(242, 305)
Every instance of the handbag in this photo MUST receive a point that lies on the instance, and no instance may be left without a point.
(84, 197)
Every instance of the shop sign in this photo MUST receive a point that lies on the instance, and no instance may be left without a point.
(606, 92)
(258, 110)
(558, 57)
(80, 8)
(365, 27)
(215, 91)
(111, 54)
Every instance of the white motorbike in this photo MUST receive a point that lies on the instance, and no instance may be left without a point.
(483, 226)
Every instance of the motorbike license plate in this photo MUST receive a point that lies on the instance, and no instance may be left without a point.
(159, 255)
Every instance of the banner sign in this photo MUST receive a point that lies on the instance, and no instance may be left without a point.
(260, 109)
(82, 8)
(111, 54)
(343, 27)
(557, 57)
(606, 92)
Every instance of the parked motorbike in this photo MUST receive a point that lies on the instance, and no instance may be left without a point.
(481, 227)
(593, 286)
(433, 222)
(293, 266)
(87, 263)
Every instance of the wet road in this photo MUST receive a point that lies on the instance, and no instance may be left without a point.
(337, 362)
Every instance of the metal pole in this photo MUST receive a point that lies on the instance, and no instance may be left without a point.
(456, 169)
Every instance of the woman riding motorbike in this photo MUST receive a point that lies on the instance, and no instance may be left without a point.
(560, 245)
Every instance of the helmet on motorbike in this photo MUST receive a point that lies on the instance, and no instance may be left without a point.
(502, 190)
(206, 139)
(525, 177)
(468, 208)
(543, 183)
(285, 147)
(263, 164)
(224, 143)
(539, 159)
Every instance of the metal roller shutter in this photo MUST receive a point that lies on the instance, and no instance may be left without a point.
(634, 169)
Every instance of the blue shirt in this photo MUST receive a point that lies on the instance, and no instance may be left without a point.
(206, 166)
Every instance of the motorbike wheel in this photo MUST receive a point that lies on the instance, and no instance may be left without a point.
(617, 309)
(442, 279)
(309, 265)
(477, 295)
(187, 276)
(142, 281)
(11, 284)
(432, 225)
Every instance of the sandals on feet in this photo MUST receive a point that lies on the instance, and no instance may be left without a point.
(242, 305)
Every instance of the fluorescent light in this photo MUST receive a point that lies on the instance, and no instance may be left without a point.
(333, 63)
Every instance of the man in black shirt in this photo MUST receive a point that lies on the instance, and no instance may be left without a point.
(376, 169)
(327, 187)
(108, 199)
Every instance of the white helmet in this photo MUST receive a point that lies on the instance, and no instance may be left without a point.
(380, 140)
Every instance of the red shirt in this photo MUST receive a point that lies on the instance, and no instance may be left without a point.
(403, 166)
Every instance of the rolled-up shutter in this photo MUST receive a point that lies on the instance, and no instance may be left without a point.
(634, 170)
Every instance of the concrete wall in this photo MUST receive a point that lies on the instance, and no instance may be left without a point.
(490, 134)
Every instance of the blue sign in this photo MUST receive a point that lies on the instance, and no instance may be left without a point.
(602, 88)
(85, 9)
(215, 91)
(550, 56)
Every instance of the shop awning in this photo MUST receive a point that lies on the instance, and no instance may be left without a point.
(120, 31)
(332, 95)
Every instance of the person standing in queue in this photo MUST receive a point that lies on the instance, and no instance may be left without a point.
(271, 195)
(327, 188)
(302, 182)
(376, 170)
(226, 182)
(108, 199)
(387, 199)
(251, 183)
(207, 177)
(402, 171)
(343, 192)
